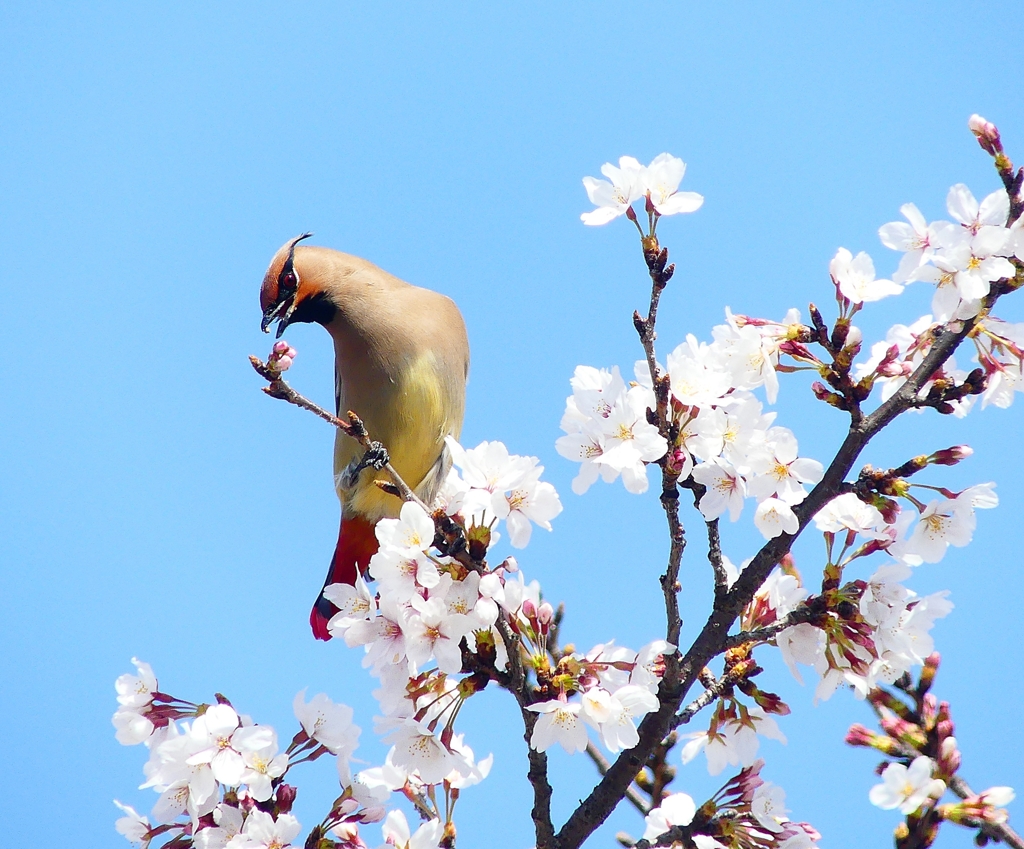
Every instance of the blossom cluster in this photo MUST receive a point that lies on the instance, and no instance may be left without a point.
(657, 183)
(220, 776)
(964, 259)
(616, 687)
(866, 631)
(998, 350)
(726, 441)
(748, 811)
(426, 610)
(894, 622)
(918, 733)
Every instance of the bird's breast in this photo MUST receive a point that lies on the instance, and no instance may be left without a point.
(410, 409)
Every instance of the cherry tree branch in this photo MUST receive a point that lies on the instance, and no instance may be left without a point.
(1000, 832)
(713, 637)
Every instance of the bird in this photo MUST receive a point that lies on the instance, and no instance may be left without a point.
(401, 362)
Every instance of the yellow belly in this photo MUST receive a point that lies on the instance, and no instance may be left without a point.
(411, 418)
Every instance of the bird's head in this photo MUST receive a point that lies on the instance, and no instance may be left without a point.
(285, 297)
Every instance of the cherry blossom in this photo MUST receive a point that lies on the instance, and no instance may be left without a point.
(327, 722)
(675, 809)
(228, 821)
(398, 834)
(660, 182)
(132, 826)
(262, 831)
(769, 807)
(417, 749)
(559, 722)
(907, 788)
(916, 240)
(613, 196)
(725, 489)
(774, 516)
(854, 277)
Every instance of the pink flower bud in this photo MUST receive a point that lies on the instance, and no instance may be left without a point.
(949, 756)
(677, 460)
(986, 133)
(951, 456)
(511, 564)
(281, 356)
(375, 813)
(545, 613)
(529, 609)
(285, 797)
(858, 735)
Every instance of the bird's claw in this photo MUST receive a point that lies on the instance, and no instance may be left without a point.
(376, 458)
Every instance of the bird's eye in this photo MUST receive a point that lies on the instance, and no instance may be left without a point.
(288, 279)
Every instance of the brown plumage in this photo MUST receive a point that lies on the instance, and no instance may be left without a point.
(401, 359)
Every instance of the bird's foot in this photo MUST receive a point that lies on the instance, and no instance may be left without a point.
(376, 458)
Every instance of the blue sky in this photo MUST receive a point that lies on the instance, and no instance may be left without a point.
(155, 503)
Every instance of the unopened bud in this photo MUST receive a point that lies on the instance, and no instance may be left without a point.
(951, 456)
(859, 735)
(931, 666)
(905, 732)
(285, 795)
(374, 813)
(282, 356)
(822, 393)
(510, 564)
(986, 134)
(944, 726)
(949, 756)
(545, 613)
(929, 711)
(677, 460)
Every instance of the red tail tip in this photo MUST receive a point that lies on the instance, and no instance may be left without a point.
(318, 622)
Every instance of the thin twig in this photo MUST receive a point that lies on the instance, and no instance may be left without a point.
(715, 558)
(354, 427)
(632, 794)
(703, 700)
(801, 614)
(1000, 831)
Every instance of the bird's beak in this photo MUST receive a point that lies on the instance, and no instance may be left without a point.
(281, 312)
(285, 293)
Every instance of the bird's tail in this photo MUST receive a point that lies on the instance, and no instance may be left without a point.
(357, 543)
